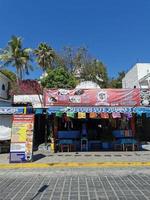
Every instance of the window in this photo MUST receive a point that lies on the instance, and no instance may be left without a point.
(3, 87)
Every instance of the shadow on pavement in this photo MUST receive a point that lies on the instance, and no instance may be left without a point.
(38, 157)
(40, 191)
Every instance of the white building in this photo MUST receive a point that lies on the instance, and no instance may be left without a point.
(4, 86)
(5, 120)
(138, 76)
(87, 85)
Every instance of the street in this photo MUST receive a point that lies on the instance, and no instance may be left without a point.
(75, 183)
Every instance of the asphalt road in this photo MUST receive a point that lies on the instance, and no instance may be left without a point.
(75, 183)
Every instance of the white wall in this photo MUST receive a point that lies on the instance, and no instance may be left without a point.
(5, 127)
(131, 78)
(143, 69)
(3, 81)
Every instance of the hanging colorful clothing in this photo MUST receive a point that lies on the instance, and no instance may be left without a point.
(128, 115)
(116, 115)
(71, 114)
(81, 115)
(133, 124)
(104, 115)
(113, 123)
(93, 115)
(59, 114)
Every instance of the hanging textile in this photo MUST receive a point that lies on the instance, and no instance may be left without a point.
(104, 115)
(93, 115)
(68, 124)
(139, 113)
(129, 116)
(116, 115)
(81, 115)
(71, 114)
(59, 114)
(133, 124)
(124, 123)
(113, 123)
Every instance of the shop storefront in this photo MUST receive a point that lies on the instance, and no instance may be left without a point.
(6, 118)
(94, 120)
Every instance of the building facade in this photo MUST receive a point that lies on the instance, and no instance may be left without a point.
(5, 102)
(4, 90)
(138, 76)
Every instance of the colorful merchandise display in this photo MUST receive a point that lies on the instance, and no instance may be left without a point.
(81, 115)
(104, 115)
(93, 115)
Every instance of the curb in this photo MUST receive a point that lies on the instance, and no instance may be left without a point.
(74, 165)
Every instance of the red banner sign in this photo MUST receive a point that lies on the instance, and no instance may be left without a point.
(92, 97)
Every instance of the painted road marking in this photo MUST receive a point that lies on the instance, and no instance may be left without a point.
(74, 164)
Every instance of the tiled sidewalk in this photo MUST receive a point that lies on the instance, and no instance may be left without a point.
(101, 185)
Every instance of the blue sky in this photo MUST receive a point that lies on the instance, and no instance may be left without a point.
(115, 31)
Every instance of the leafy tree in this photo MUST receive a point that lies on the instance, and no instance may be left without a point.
(95, 71)
(74, 58)
(117, 83)
(17, 56)
(84, 67)
(45, 56)
(59, 78)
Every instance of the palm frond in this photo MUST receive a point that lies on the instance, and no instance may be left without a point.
(16, 56)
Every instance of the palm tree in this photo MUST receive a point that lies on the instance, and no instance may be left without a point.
(45, 55)
(17, 56)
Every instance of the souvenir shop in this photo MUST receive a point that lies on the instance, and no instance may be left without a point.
(100, 130)
(109, 123)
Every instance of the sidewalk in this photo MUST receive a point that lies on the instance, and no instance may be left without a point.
(44, 159)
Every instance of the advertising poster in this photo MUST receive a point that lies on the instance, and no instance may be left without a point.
(21, 148)
(92, 97)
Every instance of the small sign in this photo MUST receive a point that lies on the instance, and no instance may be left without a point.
(21, 148)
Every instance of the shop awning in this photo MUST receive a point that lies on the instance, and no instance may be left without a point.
(11, 110)
(142, 110)
(54, 109)
(39, 111)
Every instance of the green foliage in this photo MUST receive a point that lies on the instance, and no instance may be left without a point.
(45, 55)
(76, 65)
(117, 83)
(59, 78)
(95, 71)
(17, 56)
